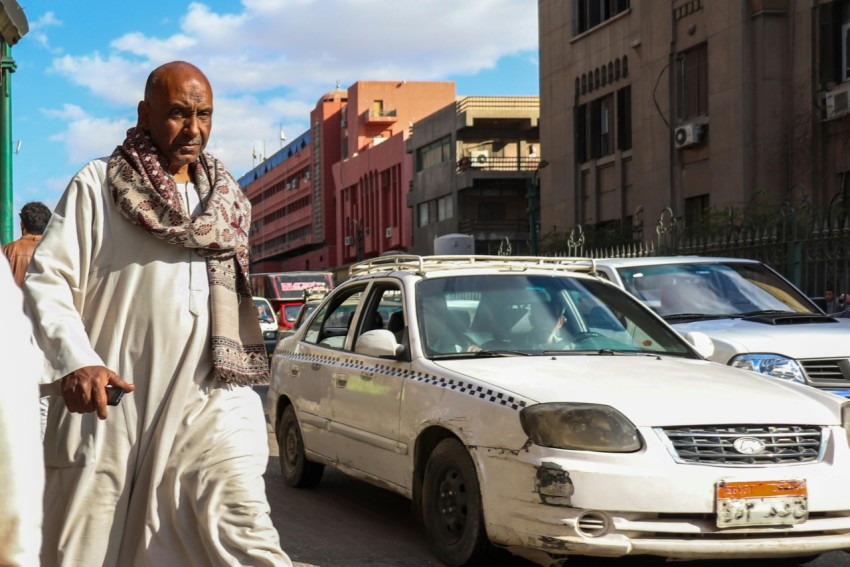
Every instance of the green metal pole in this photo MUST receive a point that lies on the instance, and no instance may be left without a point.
(7, 67)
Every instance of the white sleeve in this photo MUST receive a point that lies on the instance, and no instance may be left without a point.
(22, 461)
(55, 287)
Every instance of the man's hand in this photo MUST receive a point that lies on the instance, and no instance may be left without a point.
(84, 389)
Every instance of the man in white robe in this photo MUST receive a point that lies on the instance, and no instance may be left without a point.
(173, 474)
(21, 463)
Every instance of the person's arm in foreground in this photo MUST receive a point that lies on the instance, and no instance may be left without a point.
(55, 291)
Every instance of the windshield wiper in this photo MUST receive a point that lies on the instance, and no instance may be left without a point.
(602, 351)
(478, 354)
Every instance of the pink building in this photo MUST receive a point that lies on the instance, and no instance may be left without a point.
(338, 192)
(376, 172)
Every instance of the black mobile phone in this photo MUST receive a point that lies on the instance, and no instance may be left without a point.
(113, 396)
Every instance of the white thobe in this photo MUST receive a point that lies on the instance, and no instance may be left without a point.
(21, 464)
(173, 476)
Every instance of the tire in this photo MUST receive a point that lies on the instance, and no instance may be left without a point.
(297, 471)
(451, 508)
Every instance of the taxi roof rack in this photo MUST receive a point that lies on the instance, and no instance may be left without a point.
(422, 264)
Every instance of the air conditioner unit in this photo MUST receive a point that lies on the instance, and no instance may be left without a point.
(389, 232)
(349, 240)
(688, 135)
(837, 102)
(478, 158)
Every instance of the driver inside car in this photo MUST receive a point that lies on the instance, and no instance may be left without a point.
(547, 320)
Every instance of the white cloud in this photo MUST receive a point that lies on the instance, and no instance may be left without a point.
(86, 137)
(49, 19)
(270, 61)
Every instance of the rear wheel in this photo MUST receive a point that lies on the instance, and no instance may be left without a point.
(451, 507)
(297, 470)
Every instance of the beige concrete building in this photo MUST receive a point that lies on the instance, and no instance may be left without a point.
(474, 164)
(659, 106)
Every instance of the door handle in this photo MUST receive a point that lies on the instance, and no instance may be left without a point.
(315, 366)
(366, 376)
(294, 370)
(341, 381)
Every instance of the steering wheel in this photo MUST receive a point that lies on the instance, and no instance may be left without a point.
(584, 336)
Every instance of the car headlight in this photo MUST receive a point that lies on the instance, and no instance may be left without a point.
(588, 427)
(772, 365)
(270, 335)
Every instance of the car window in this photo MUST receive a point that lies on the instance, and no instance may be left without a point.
(383, 310)
(331, 325)
(535, 315)
(264, 311)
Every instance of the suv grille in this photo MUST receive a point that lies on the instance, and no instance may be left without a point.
(782, 444)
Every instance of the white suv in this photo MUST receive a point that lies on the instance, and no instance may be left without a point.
(526, 404)
(756, 319)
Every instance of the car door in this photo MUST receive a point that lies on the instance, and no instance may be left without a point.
(320, 356)
(366, 397)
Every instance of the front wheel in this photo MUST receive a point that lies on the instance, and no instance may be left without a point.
(297, 470)
(451, 507)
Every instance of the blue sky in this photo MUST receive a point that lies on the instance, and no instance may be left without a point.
(82, 66)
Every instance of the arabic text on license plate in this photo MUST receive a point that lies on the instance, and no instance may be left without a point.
(761, 503)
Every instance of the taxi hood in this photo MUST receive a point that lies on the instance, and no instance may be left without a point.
(654, 390)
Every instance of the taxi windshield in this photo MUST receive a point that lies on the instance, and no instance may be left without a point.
(520, 314)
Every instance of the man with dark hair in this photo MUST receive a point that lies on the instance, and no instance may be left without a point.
(141, 284)
(34, 217)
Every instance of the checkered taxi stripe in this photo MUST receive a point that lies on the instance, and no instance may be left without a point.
(481, 392)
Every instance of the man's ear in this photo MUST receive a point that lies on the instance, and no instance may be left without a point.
(143, 115)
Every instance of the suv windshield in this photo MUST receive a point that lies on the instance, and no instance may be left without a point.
(519, 314)
(722, 289)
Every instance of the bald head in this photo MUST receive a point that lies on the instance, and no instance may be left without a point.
(167, 70)
(177, 112)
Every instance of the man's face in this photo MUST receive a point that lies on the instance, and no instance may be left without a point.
(828, 295)
(178, 116)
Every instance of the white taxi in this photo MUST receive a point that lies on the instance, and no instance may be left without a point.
(527, 404)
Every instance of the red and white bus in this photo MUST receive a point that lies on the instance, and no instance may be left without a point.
(285, 291)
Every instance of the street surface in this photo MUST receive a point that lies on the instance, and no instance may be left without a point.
(347, 523)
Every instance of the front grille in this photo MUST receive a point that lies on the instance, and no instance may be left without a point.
(825, 370)
(783, 444)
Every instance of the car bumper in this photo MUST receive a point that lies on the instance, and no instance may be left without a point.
(611, 505)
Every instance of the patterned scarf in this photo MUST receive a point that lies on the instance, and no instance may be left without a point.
(147, 196)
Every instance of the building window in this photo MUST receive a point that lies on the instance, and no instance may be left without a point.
(444, 208)
(433, 154)
(588, 14)
(422, 214)
(624, 118)
(834, 41)
(693, 82)
(596, 133)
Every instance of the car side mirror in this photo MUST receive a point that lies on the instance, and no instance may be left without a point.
(701, 342)
(380, 343)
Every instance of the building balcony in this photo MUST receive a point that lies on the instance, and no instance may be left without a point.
(373, 116)
(482, 161)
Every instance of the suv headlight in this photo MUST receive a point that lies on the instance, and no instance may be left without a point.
(588, 427)
(772, 365)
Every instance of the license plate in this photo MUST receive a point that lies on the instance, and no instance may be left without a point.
(761, 503)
